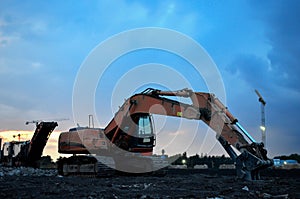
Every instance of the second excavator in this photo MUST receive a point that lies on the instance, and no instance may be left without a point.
(127, 142)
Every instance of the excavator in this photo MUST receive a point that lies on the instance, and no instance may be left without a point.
(28, 153)
(127, 141)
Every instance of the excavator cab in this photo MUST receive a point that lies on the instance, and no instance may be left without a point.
(136, 134)
(143, 139)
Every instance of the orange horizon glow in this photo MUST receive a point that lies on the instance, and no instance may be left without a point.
(51, 147)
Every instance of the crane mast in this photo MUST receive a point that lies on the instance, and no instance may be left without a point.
(263, 119)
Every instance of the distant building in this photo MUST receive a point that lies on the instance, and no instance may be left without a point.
(286, 164)
(227, 166)
(178, 166)
(201, 166)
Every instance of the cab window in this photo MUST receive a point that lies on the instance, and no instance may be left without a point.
(144, 126)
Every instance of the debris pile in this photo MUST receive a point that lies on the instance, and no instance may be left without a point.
(182, 184)
(26, 171)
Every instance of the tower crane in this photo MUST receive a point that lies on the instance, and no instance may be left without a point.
(38, 121)
(19, 136)
(33, 122)
(263, 120)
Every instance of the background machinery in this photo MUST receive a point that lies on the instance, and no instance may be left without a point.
(27, 153)
(129, 138)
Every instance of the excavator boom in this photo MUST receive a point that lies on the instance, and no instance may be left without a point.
(205, 107)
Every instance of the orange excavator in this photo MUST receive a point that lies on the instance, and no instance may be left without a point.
(128, 140)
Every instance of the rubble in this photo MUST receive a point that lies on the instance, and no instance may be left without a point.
(267, 195)
(26, 171)
(179, 184)
(245, 188)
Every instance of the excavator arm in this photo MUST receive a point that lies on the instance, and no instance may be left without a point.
(206, 107)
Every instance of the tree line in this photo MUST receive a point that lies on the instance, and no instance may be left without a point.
(210, 161)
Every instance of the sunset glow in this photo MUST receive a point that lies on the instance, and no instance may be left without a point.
(50, 148)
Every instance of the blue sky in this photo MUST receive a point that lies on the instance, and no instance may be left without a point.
(254, 44)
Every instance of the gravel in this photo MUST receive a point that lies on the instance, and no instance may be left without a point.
(39, 183)
(26, 171)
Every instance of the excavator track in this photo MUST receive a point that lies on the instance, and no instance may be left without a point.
(103, 166)
(89, 166)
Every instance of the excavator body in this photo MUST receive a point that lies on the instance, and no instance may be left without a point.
(131, 151)
(130, 136)
(82, 140)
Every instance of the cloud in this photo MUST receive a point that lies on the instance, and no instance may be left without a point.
(17, 22)
(282, 30)
(277, 69)
(274, 71)
(2, 22)
(41, 50)
(6, 39)
(36, 65)
(18, 67)
(252, 69)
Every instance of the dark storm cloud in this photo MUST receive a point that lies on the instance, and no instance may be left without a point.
(282, 30)
(280, 67)
(252, 69)
(41, 51)
(275, 72)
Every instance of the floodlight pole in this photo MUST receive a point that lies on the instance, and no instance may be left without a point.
(263, 119)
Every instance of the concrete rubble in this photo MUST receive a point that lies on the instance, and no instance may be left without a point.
(26, 171)
(179, 184)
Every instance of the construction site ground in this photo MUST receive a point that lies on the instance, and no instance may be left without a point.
(176, 184)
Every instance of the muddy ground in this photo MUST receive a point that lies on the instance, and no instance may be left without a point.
(176, 184)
